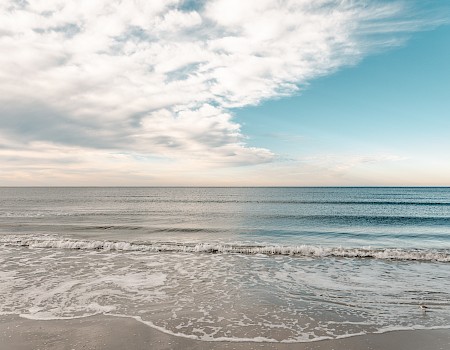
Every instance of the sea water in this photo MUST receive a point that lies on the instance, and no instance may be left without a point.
(256, 264)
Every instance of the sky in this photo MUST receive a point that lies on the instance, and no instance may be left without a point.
(224, 93)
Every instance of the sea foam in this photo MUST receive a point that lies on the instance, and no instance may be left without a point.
(46, 241)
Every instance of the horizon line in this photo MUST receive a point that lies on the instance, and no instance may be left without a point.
(206, 186)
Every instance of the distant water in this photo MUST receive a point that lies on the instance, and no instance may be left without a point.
(260, 264)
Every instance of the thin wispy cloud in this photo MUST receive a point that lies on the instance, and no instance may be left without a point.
(161, 78)
(340, 164)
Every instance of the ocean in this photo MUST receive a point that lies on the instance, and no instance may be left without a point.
(230, 264)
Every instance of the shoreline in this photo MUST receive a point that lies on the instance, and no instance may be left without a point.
(102, 332)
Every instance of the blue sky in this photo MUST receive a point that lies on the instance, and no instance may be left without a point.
(225, 92)
(396, 102)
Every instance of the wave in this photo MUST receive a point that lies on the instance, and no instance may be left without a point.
(365, 219)
(300, 339)
(306, 218)
(438, 255)
(141, 199)
(147, 229)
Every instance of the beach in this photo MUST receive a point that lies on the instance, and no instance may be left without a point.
(303, 268)
(116, 333)
(224, 174)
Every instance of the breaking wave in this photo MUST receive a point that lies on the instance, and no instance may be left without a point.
(438, 255)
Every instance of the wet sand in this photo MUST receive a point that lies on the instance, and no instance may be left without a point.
(116, 333)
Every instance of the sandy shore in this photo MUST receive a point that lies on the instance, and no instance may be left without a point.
(114, 333)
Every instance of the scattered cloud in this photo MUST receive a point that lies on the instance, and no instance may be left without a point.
(341, 164)
(160, 78)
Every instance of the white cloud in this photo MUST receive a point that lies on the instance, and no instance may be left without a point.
(155, 78)
(340, 165)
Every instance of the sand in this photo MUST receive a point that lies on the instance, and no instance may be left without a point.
(114, 333)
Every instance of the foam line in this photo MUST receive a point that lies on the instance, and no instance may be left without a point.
(295, 250)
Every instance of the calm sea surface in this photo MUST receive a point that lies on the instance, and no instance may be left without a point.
(260, 264)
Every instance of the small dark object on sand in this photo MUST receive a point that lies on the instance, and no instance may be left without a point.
(424, 308)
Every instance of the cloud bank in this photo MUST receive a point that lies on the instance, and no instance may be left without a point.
(161, 78)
